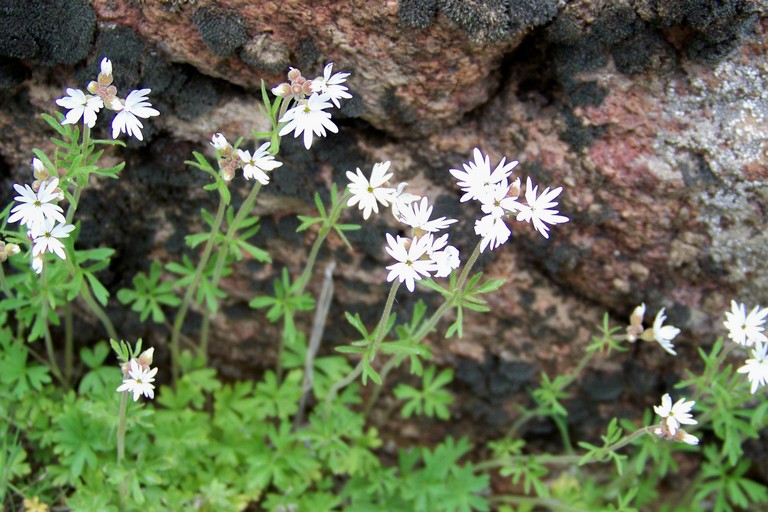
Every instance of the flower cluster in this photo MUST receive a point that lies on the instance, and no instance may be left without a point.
(39, 212)
(104, 95)
(672, 416)
(748, 330)
(423, 253)
(662, 334)
(498, 197)
(254, 165)
(138, 376)
(312, 99)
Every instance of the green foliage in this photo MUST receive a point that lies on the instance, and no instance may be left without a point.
(207, 291)
(328, 221)
(605, 453)
(149, 294)
(432, 400)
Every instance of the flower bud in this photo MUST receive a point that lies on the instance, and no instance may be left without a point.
(106, 67)
(145, 358)
(293, 74)
(219, 142)
(93, 87)
(282, 90)
(514, 189)
(38, 169)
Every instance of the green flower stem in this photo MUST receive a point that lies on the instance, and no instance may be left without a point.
(4, 284)
(92, 303)
(550, 503)
(69, 342)
(384, 373)
(52, 363)
(121, 429)
(181, 313)
(346, 381)
(450, 302)
(221, 258)
(563, 459)
(325, 229)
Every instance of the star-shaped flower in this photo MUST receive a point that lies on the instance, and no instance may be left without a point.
(745, 329)
(48, 238)
(255, 165)
(411, 265)
(417, 216)
(134, 107)
(675, 415)
(664, 334)
(309, 117)
(493, 230)
(139, 381)
(331, 85)
(38, 206)
(80, 105)
(367, 194)
(757, 367)
(539, 209)
(477, 179)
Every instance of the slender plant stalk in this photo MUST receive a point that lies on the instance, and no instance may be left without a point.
(384, 373)
(52, 363)
(4, 284)
(69, 345)
(121, 428)
(221, 258)
(181, 313)
(318, 327)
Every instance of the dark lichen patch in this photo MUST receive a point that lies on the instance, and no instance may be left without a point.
(417, 13)
(601, 386)
(615, 23)
(585, 93)
(53, 32)
(576, 134)
(222, 32)
(697, 172)
(524, 14)
(307, 55)
(127, 52)
(485, 21)
(396, 108)
(647, 50)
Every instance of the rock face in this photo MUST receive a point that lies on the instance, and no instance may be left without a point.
(653, 115)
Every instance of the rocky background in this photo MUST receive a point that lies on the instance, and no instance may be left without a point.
(652, 114)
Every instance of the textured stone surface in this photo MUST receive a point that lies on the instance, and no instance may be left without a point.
(653, 115)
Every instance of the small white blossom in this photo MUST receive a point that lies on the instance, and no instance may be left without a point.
(309, 117)
(139, 381)
(635, 327)
(675, 415)
(331, 85)
(745, 329)
(757, 367)
(493, 230)
(130, 110)
(36, 207)
(80, 105)
(539, 210)
(681, 436)
(401, 199)
(446, 260)
(663, 334)
(477, 179)
(417, 216)
(497, 202)
(255, 165)
(106, 67)
(48, 238)
(219, 142)
(37, 262)
(367, 194)
(411, 265)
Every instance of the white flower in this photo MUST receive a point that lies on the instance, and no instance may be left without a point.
(36, 207)
(539, 210)
(106, 67)
(493, 230)
(80, 105)
(675, 415)
(477, 178)
(745, 329)
(256, 164)
(331, 85)
(446, 260)
(134, 106)
(37, 263)
(47, 239)
(417, 216)
(497, 201)
(400, 200)
(410, 266)
(218, 141)
(139, 381)
(664, 334)
(367, 194)
(757, 367)
(310, 117)
(681, 436)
